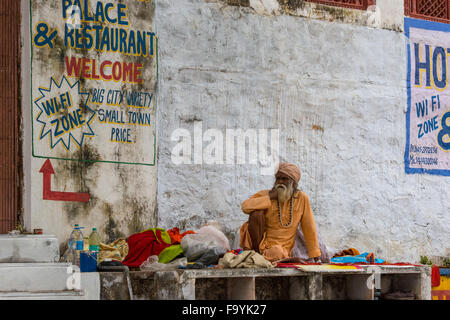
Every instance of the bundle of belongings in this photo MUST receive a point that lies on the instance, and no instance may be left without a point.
(205, 247)
(352, 256)
(158, 249)
(245, 259)
(116, 250)
(346, 259)
(165, 245)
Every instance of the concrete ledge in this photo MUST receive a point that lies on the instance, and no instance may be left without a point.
(90, 285)
(45, 295)
(34, 277)
(28, 249)
(272, 284)
(47, 281)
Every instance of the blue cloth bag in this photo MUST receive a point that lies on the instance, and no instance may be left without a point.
(362, 258)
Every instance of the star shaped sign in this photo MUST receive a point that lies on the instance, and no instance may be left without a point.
(64, 114)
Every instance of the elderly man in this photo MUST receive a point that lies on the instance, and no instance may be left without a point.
(274, 216)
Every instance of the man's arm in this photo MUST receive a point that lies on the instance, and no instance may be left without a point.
(308, 225)
(259, 201)
(256, 208)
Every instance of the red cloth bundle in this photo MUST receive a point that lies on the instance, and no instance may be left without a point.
(175, 235)
(143, 245)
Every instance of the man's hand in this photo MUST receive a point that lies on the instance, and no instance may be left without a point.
(314, 260)
(273, 194)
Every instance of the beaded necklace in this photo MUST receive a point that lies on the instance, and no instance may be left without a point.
(290, 214)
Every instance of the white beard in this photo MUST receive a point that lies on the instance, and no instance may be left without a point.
(284, 193)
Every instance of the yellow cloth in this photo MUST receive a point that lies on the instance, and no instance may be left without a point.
(116, 250)
(278, 241)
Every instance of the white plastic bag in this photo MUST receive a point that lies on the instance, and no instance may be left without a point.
(152, 264)
(206, 238)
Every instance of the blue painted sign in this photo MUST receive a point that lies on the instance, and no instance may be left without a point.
(428, 114)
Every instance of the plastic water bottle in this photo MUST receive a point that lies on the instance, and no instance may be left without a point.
(72, 244)
(94, 241)
(79, 239)
(75, 244)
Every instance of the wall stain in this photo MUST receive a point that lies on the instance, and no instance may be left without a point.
(190, 118)
(111, 227)
(292, 4)
(138, 211)
(83, 174)
(137, 208)
(299, 8)
(317, 127)
(54, 57)
(240, 3)
(192, 223)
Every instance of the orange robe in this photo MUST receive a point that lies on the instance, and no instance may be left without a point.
(278, 241)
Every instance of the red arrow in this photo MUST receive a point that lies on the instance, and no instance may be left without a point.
(48, 194)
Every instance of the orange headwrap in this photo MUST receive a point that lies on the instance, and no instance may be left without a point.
(291, 170)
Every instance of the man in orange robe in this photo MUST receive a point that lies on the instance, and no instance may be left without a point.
(274, 216)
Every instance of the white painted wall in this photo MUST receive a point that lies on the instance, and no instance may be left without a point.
(337, 93)
(389, 14)
(336, 90)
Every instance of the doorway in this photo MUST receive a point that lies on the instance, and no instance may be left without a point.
(10, 115)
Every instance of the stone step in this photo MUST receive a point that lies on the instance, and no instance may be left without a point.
(28, 248)
(34, 277)
(43, 295)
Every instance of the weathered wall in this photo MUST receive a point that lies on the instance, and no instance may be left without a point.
(336, 90)
(119, 177)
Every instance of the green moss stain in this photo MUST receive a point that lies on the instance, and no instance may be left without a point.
(79, 176)
(54, 57)
(240, 3)
(292, 4)
(111, 228)
(340, 14)
(138, 210)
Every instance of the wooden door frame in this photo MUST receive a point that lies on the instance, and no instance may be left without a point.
(11, 203)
